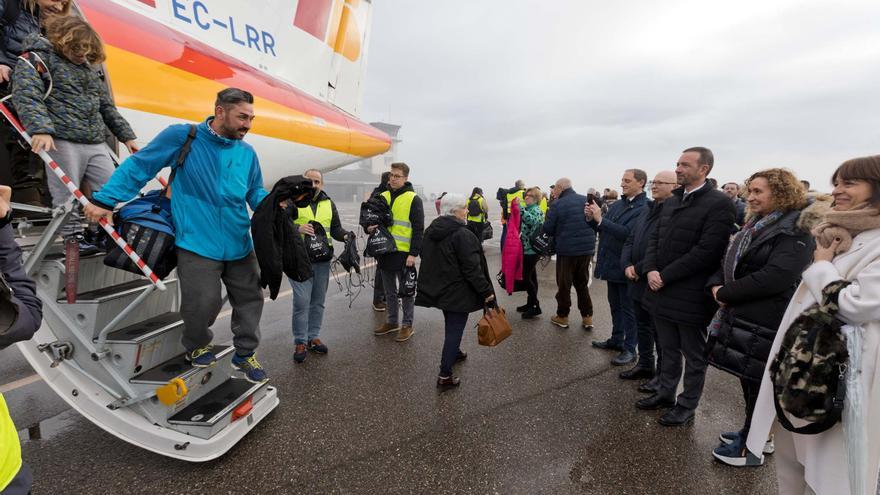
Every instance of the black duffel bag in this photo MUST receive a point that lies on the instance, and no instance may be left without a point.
(145, 224)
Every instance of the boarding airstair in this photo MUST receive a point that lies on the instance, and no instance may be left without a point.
(110, 346)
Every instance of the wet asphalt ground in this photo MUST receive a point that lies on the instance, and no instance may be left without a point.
(544, 412)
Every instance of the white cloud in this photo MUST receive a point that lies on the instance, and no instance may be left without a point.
(491, 91)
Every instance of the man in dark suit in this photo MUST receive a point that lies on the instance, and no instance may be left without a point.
(683, 252)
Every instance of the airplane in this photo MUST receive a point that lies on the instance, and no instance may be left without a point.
(304, 62)
(111, 348)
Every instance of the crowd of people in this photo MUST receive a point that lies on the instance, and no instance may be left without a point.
(698, 276)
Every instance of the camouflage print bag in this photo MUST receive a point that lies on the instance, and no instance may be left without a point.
(809, 372)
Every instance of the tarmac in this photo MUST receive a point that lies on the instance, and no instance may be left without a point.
(544, 412)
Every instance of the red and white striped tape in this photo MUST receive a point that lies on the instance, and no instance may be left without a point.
(84, 201)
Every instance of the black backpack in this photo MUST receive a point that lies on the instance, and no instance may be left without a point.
(380, 242)
(375, 211)
(318, 245)
(543, 243)
(474, 209)
(410, 282)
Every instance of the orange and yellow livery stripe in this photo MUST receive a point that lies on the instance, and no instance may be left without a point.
(158, 70)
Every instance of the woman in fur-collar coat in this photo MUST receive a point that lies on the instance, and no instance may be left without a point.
(848, 248)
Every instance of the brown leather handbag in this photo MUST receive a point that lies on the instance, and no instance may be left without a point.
(493, 327)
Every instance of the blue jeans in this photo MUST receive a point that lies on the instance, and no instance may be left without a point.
(623, 317)
(308, 303)
(455, 323)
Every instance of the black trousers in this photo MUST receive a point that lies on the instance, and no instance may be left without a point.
(530, 277)
(679, 340)
(573, 270)
(750, 396)
(647, 337)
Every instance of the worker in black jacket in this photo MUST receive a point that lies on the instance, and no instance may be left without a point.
(408, 216)
(20, 315)
(683, 252)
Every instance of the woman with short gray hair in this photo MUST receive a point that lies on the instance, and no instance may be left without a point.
(454, 278)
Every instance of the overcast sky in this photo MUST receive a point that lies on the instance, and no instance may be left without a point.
(490, 91)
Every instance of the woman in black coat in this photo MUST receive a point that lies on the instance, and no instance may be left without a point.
(760, 271)
(454, 278)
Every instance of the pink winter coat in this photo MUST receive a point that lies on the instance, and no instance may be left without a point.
(512, 258)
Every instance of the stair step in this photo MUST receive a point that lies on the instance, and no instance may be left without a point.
(177, 367)
(216, 410)
(94, 310)
(107, 293)
(92, 274)
(145, 330)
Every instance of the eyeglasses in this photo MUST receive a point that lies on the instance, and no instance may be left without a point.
(396, 176)
(661, 183)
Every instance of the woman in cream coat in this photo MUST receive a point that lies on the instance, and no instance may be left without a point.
(847, 247)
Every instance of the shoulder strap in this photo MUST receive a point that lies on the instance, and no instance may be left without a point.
(184, 152)
(830, 420)
(40, 67)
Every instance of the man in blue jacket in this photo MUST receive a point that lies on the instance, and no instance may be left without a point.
(220, 178)
(575, 245)
(614, 227)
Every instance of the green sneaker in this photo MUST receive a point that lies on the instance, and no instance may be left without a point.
(201, 358)
(253, 371)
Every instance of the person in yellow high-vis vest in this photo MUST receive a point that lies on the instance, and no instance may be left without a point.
(20, 316)
(309, 295)
(408, 216)
(478, 213)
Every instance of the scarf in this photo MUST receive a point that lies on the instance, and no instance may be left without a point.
(845, 225)
(735, 250)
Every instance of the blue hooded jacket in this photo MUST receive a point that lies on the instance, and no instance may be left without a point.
(220, 178)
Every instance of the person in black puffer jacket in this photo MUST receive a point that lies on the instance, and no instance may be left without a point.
(454, 278)
(684, 251)
(759, 274)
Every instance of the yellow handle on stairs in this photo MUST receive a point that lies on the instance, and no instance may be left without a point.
(172, 391)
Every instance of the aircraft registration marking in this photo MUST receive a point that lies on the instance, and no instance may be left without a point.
(259, 40)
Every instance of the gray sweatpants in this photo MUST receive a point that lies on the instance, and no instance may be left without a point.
(81, 162)
(201, 300)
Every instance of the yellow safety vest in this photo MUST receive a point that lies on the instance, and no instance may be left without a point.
(543, 205)
(401, 230)
(323, 214)
(10, 449)
(481, 217)
(521, 194)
